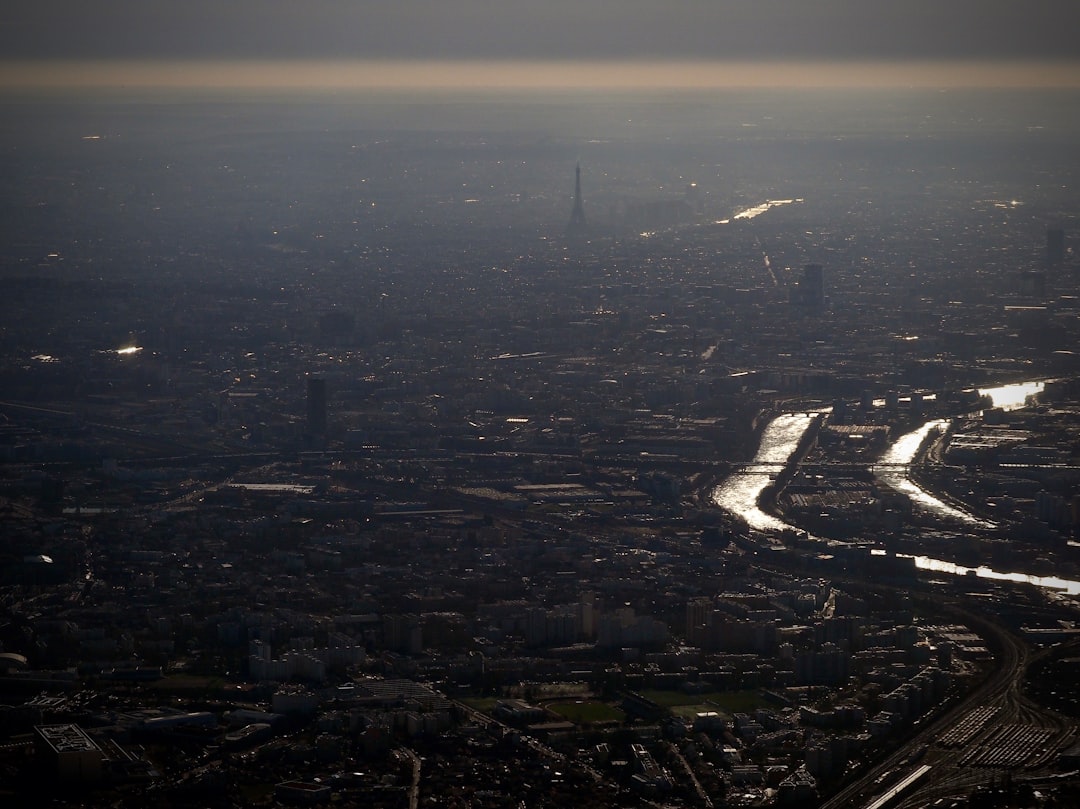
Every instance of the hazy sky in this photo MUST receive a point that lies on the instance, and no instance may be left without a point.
(897, 32)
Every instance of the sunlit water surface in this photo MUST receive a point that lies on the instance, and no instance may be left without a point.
(739, 494)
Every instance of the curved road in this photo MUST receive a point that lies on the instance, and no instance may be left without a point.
(1002, 690)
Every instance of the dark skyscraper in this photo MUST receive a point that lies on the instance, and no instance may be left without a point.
(316, 406)
(811, 290)
(577, 215)
(1055, 247)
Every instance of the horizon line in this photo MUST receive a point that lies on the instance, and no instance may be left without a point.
(493, 75)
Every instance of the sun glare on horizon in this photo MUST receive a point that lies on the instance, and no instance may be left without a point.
(530, 75)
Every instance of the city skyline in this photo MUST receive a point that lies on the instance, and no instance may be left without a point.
(608, 403)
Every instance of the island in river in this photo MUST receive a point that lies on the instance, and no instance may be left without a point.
(988, 491)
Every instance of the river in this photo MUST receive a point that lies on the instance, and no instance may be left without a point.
(740, 493)
(895, 466)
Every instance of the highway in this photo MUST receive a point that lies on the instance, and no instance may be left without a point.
(996, 704)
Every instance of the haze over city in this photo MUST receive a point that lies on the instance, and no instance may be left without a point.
(474, 43)
(540, 404)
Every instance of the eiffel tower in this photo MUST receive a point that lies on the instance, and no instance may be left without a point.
(577, 215)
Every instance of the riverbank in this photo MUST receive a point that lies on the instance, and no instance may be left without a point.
(971, 543)
(770, 494)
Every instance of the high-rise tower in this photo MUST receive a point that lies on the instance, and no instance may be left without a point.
(577, 215)
(316, 406)
(811, 290)
(1055, 247)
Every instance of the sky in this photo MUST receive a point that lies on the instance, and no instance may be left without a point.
(166, 41)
